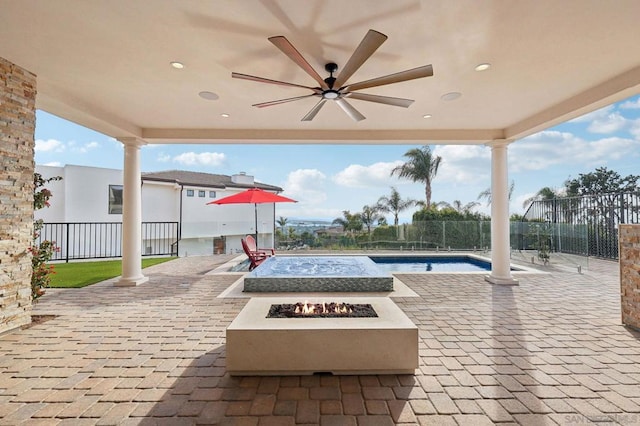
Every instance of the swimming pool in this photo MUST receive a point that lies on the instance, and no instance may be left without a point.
(431, 264)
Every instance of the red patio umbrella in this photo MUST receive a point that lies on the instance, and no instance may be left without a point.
(253, 196)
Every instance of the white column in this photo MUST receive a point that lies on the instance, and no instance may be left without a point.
(500, 242)
(131, 216)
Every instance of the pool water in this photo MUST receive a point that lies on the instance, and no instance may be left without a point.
(430, 264)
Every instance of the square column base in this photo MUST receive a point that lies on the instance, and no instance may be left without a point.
(131, 282)
(501, 280)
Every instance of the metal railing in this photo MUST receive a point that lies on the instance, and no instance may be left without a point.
(596, 217)
(99, 240)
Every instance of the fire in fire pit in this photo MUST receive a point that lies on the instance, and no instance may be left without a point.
(322, 310)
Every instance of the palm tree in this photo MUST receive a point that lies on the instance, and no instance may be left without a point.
(370, 215)
(544, 194)
(459, 207)
(282, 222)
(422, 166)
(394, 204)
(486, 194)
(558, 207)
(348, 221)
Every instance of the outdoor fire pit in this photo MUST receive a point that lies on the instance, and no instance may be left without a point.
(321, 310)
(384, 341)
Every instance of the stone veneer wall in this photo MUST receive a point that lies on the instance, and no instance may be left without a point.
(629, 237)
(17, 126)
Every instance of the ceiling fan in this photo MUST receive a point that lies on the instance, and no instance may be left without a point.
(336, 88)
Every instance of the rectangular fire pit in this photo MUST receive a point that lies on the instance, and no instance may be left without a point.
(311, 274)
(256, 345)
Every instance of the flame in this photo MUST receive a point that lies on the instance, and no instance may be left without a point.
(308, 308)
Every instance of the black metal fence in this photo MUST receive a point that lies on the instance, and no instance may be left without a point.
(99, 240)
(595, 218)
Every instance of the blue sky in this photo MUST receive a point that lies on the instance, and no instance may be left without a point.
(327, 179)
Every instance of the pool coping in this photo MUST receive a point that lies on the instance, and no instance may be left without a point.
(519, 268)
(400, 288)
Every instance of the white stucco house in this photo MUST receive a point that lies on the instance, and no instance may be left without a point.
(174, 201)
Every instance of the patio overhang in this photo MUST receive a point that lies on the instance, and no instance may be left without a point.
(106, 65)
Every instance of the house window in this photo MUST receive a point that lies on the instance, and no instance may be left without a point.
(115, 199)
(212, 194)
(201, 193)
(189, 192)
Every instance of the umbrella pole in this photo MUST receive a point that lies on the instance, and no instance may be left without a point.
(255, 205)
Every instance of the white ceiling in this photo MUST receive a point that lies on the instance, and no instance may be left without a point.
(105, 64)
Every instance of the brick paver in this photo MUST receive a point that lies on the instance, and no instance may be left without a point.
(549, 351)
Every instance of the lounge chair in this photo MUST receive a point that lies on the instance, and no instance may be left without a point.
(255, 257)
(253, 246)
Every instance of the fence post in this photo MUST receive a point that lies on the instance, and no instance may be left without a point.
(178, 240)
(67, 244)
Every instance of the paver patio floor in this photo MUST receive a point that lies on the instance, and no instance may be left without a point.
(549, 351)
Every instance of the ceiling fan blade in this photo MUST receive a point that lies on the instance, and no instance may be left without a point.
(314, 110)
(287, 48)
(351, 111)
(281, 101)
(420, 72)
(401, 102)
(369, 44)
(266, 80)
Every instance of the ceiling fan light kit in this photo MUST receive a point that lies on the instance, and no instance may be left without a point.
(336, 88)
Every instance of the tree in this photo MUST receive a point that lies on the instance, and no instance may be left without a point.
(41, 252)
(349, 222)
(282, 222)
(486, 194)
(422, 166)
(394, 204)
(459, 207)
(369, 216)
(544, 194)
(554, 207)
(601, 181)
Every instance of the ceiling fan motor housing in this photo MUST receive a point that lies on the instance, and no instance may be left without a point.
(337, 88)
(331, 67)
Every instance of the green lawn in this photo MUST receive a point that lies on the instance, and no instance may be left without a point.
(81, 274)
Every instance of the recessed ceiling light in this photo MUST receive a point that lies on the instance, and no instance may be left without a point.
(483, 67)
(177, 65)
(450, 96)
(225, 115)
(210, 96)
(427, 116)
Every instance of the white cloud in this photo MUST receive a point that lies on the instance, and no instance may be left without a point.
(611, 123)
(53, 164)
(463, 163)
(552, 148)
(202, 158)
(373, 176)
(631, 104)
(163, 158)
(115, 143)
(87, 147)
(50, 145)
(635, 129)
(598, 114)
(306, 186)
